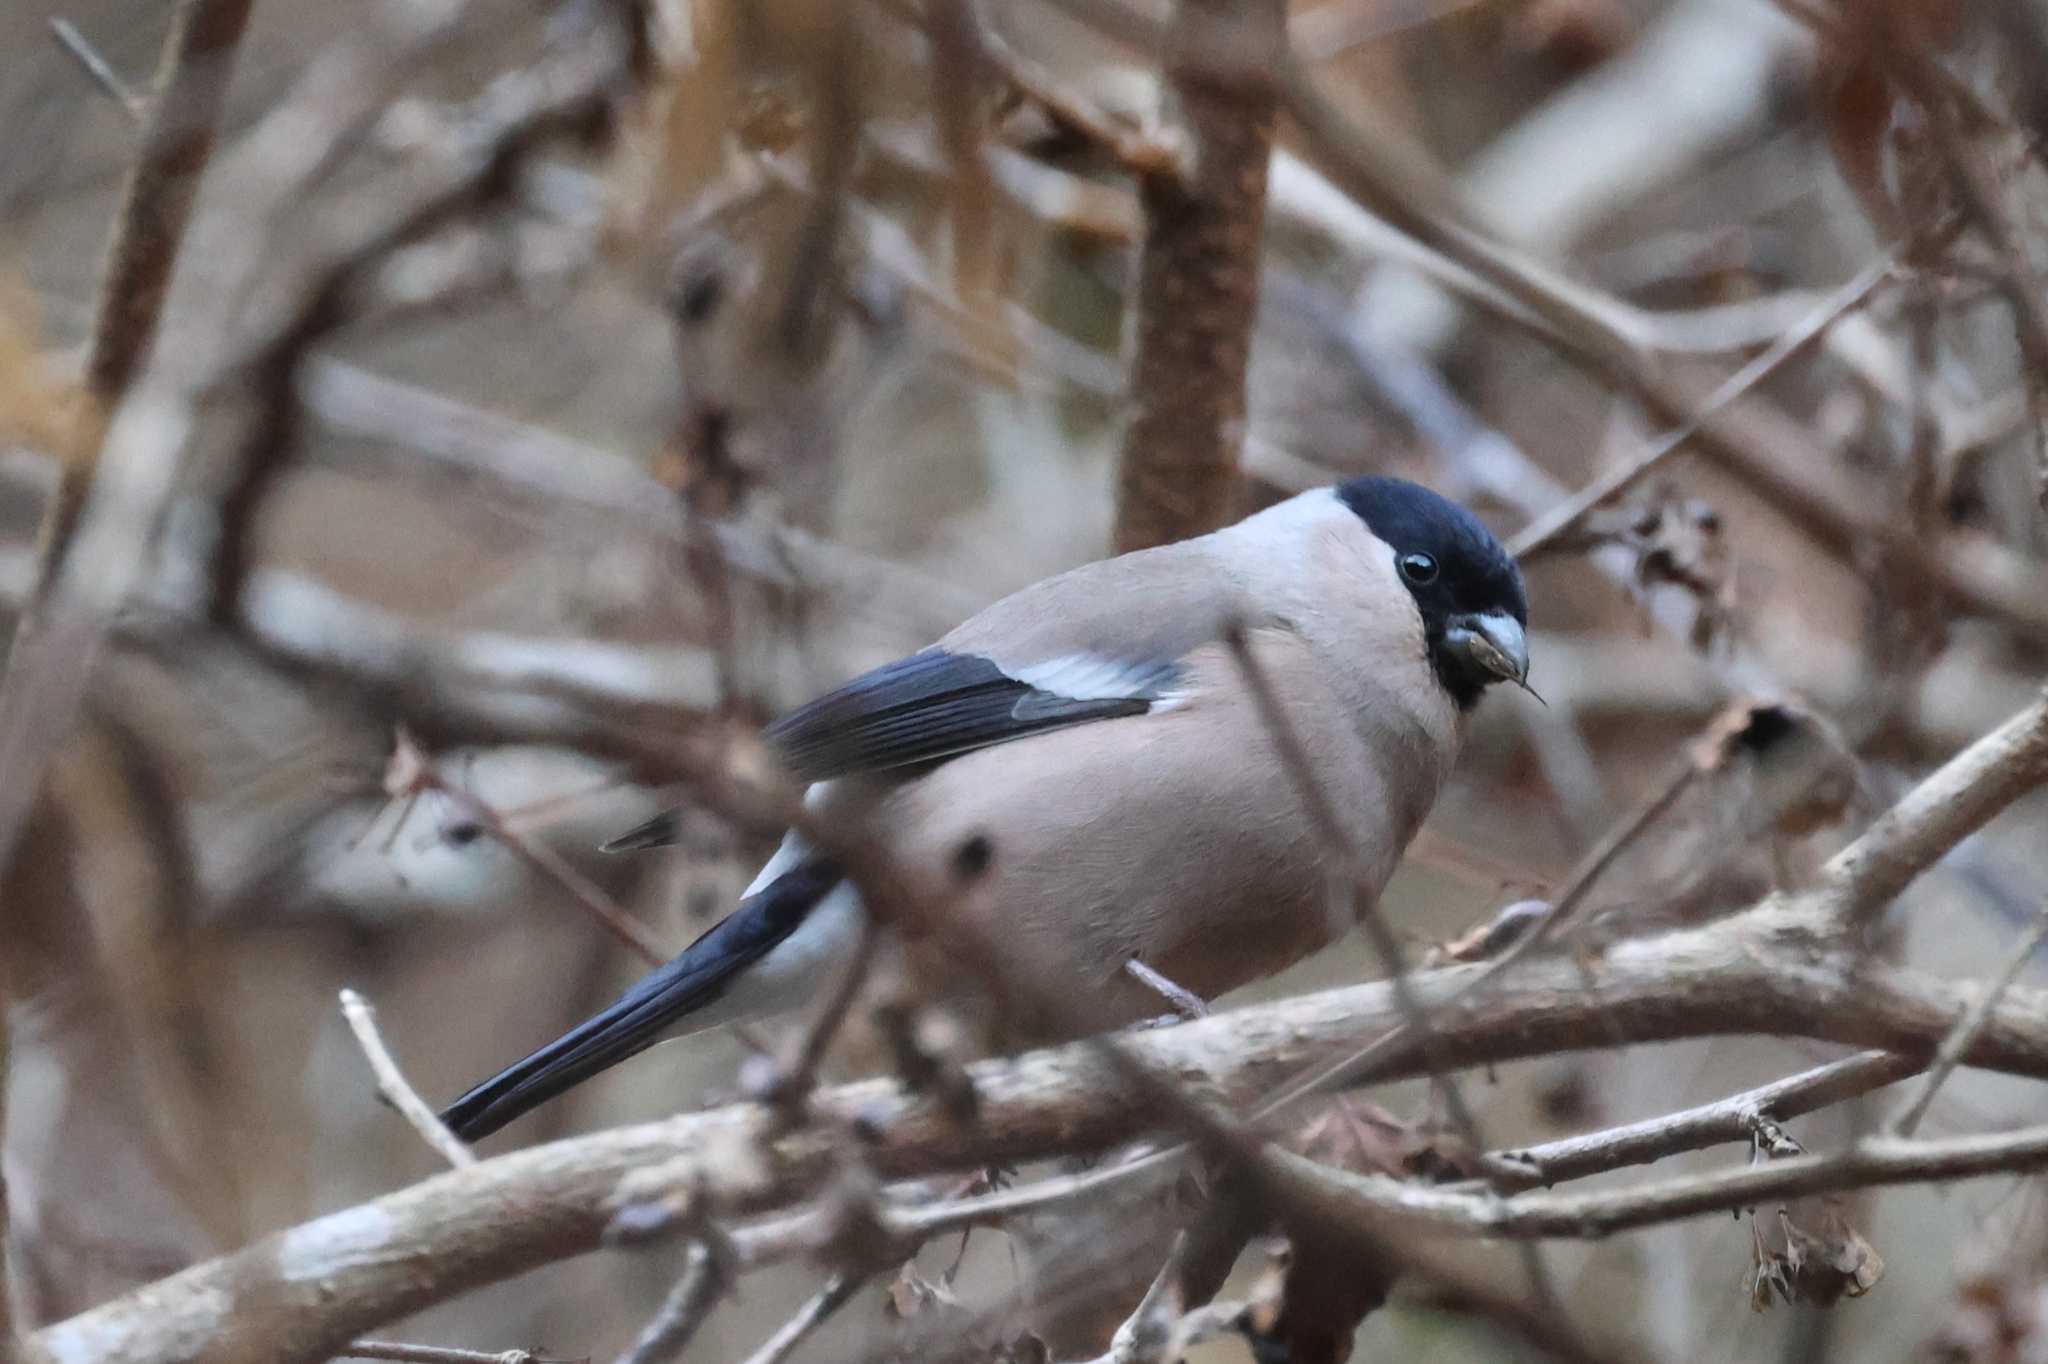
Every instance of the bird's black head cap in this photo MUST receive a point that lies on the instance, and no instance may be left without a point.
(1452, 565)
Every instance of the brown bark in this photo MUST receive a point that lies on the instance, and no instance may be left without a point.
(1198, 287)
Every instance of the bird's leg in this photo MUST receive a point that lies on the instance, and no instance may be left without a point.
(1186, 1003)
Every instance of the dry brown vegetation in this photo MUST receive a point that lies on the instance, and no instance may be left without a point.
(434, 433)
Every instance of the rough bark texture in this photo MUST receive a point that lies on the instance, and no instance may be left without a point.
(1198, 290)
(302, 1294)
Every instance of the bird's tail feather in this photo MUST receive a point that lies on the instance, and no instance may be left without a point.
(658, 832)
(638, 1018)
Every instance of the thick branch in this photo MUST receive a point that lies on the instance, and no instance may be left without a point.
(1198, 285)
(305, 1293)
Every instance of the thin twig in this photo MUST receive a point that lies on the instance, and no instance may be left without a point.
(440, 1354)
(412, 772)
(836, 1293)
(1338, 848)
(1729, 1119)
(1141, 151)
(1145, 1334)
(705, 1278)
(392, 1084)
(98, 67)
(1873, 1162)
(794, 1084)
(1957, 1044)
(1185, 1002)
(1544, 532)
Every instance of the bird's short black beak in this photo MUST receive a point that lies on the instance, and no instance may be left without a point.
(1491, 646)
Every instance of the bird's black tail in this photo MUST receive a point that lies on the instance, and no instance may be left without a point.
(638, 1018)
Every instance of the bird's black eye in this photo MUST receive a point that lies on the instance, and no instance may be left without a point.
(1419, 569)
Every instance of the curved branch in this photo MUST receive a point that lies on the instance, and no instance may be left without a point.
(1941, 812)
(1873, 1161)
(305, 1293)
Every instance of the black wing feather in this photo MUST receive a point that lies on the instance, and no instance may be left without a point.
(934, 704)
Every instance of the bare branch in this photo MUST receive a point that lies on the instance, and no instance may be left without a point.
(98, 67)
(1757, 972)
(836, 1293)
(403, 1353)
(1971, 1023)
(411, 772)
(392, 1084)
(1198, 282)
(1546, 530)
(1949, 806)
(1342, 854)
(1873, 1162)
(792, 1087)
(132, 461)
(177, 141)
(1730, 1119)
(668, 1333)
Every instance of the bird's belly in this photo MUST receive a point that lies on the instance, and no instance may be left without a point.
(1081, 849)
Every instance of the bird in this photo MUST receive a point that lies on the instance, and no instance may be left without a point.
(1093, 746)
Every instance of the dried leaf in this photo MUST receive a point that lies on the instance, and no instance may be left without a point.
(1821, 1259)
(1832, 1261)
(1677, 542)
(1365, 1138)
(36, 407)
(911, 1294)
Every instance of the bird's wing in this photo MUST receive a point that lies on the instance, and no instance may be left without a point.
(1102, 641)
(937, 703)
